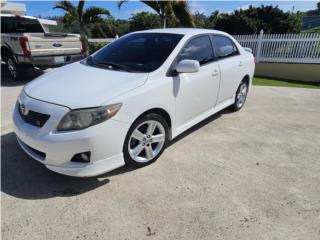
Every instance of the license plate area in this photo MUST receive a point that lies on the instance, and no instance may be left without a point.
(59, 59)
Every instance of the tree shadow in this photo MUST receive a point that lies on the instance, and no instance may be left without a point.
(7, 81)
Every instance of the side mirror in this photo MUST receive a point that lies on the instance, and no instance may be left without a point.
(187, 66)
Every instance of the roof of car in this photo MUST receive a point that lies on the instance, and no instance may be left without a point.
(183, 31)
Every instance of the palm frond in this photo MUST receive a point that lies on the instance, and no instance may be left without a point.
(121, 2)
(93, 15)
(80, 8)
(66, 6)
(181, 11)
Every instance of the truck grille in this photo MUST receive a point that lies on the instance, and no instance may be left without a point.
(33, 118)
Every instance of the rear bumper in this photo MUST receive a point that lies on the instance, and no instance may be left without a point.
(49, 61)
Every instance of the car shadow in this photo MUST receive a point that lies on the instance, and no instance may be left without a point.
(23, 177)
(7, 81)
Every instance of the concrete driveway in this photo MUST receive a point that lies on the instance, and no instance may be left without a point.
(254, 174)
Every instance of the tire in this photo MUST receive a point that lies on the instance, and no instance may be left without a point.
(143, 146)
(241, 96)
(16, 71)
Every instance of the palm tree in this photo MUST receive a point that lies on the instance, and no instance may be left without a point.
(169, 9)
(83, 17)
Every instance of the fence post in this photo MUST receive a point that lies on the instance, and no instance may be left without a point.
(259, 46)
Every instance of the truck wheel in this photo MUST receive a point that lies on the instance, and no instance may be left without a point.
(17, 71)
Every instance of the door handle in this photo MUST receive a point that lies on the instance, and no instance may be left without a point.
(215, 73)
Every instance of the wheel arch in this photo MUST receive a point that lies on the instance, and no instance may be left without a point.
(163, 113)
(246, 79)
(6, 51)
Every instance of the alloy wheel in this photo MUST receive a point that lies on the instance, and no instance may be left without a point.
(12, 68)
(241, 95)
(146, 141)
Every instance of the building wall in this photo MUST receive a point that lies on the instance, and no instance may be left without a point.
(300, 72)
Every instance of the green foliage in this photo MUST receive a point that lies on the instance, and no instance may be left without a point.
(80, 16)
(236, 24)
(201, 20)
(143, 21)
(171, 13)
(93, 47)
(269, 18)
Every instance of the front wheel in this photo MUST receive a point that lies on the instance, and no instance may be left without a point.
(241, 96)
(146, 140)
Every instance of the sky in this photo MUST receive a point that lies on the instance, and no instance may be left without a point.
(44, 8)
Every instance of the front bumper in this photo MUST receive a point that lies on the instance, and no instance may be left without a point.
(49, 61)
(104, 141)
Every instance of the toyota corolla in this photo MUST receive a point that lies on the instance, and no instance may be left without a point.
(123, 104)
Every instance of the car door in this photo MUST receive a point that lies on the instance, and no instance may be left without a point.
(196, 92)
(230, 64)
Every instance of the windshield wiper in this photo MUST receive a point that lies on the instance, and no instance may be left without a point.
(113, 65)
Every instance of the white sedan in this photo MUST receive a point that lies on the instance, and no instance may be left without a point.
(123, 104)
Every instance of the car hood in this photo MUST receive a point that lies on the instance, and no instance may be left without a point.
(81, 86)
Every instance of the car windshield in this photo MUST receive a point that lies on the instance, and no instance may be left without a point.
(137, 52)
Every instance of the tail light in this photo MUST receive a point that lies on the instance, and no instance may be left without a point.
(24, 43)
(83, 48)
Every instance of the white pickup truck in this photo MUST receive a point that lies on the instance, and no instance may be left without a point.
(25, 43)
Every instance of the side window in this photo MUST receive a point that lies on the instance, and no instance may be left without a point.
(224, 47)
(199, 48)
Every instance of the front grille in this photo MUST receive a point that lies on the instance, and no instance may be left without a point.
(33, 118)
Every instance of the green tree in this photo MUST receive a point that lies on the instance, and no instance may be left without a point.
(235, 24)
(143, 21)
(269, 18)
(201, 20)
(80, 16)
(168, 10)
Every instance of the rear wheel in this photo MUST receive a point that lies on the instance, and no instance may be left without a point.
(16, 71)
(146, 140)
(241, 96)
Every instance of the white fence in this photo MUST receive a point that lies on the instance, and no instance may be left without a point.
(283, 48)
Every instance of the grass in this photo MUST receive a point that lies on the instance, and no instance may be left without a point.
(259, 81)
(312, 30)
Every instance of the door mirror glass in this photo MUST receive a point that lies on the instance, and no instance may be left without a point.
(188, 66)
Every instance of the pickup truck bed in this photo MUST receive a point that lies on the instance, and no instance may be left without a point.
(24, 43)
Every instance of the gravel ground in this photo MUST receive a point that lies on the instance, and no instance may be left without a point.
(253, 174)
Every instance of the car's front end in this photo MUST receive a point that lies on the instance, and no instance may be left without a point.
(87, 152)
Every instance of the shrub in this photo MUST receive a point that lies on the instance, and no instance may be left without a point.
(93, 47)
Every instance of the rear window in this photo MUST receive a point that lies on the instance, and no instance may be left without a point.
(20, 25)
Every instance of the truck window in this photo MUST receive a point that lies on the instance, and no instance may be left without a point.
(20, 25)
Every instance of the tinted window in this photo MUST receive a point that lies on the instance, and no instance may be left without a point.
(20, 25)
(224, 47)
(138, 52)
(199, 48)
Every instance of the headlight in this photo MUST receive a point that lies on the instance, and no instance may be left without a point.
(83, 118)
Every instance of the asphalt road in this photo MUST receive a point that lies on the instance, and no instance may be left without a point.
(253, 174)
